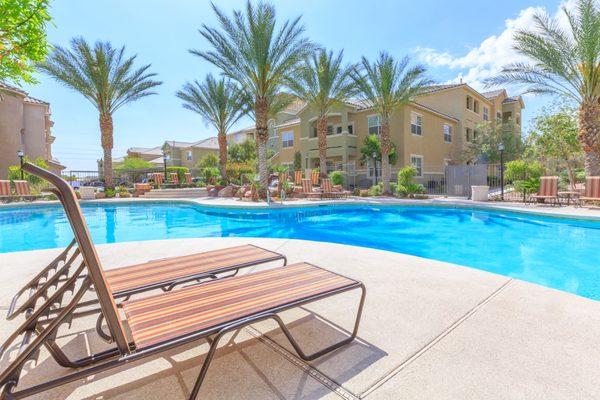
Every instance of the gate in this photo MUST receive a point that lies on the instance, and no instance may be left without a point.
(460, 178)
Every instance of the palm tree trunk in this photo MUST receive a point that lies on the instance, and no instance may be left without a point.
(589, 136)
(261, 111)
(106, 140)
(223, 154)
(322, 142)
(386, 147)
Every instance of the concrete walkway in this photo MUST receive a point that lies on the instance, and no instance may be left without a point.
(430, 330)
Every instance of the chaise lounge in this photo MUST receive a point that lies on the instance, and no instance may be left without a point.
(548, 190)
(164, 321)
(592, 189)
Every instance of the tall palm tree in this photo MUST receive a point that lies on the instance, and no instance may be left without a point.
(105, 77)
(220, 103)
(564, 61)
(323, 83)
(249, 49)
(387, 84)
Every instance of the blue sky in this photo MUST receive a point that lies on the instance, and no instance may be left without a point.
(457, 38)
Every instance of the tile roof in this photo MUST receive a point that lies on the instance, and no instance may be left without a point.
(437, 88)
(492, 94)
(176, 144)
(146, 150)
(510, 99)
(33, 100)
(6, 86)
(209, 143)
(289, 122)
(433, 110)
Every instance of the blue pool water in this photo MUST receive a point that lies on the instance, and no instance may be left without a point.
(555, 252)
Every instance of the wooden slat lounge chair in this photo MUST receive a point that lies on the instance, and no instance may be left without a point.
(22, 189)
(308, 191)
(158, 179)
(297, 178)
(162, 322)
(188, 178)
(592, 189)
(548, 190)
(5, 194)
(174, 178)
(328, 191)
(315, 177)
(141, 188)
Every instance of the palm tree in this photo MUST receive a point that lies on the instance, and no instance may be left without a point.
(324, 83)
(566, 62)
(220, 103)
(104, 76)
(251, 51)
(387, 84)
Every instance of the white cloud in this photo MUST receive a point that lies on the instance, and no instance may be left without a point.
(492, 53)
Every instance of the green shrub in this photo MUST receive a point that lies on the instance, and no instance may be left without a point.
(237, 170)
(356, 192)
(209, 160)
(297, 161)
(393, 187)
(180, 172)
(406, 185)
(133, 163)
(210, 174)
(14, 171)
(376, 190)
(525, 176)
(110, 193)
(337, 177)
(280, 169)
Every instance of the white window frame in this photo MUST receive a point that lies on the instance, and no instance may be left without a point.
(416, 120)
(468, 138)
(351, 124)
(448, 134)
(369, 126)
(486, 113)
(285, 144)
(420, 157)
(189, 156)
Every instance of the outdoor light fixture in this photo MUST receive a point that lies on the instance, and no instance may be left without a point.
(21, 154)
(165, 159)
(501, 149)
(375, 164)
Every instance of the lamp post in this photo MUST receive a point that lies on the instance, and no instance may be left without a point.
(501, 149)
(375, 164)
(21, 154)
(165, 158)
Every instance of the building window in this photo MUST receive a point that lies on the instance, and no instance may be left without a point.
(329, 130)
(351, 129)
(287, 139)
(469, 103)
(374, 124)
(188, 156)
(416, 124)
(447, 133)
(506, 117)
(476, 106)
(417, 162)
(486, 114)
(468, 134)
(338, 130)
(475, 134)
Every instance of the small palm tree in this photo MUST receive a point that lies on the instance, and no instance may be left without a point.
(323, 83)
(387, 84)
(220, 103)
(250, 50)
(566, 62)
(104, 76)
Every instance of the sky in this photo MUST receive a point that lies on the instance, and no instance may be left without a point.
(453, 39)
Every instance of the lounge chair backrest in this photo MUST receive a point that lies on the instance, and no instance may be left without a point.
(4, 188)
(174, 177)
(326, 185)
(306, 186)
(188, 178)
(22, 188)
(158, 179)
(315, 177)
(66, 195)
(548, 186)
(297, 177)
(592, 187)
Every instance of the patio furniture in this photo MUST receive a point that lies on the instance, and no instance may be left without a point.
(188, 178)
(161, 322)
(158, 179)
(308, 191)
(570, 196)
(297, 178)
(22, 189)
(5, 193)
(174, 178)
(548, 190)
(141, 188)
(315, 177)
(592, 189)
(328, 191)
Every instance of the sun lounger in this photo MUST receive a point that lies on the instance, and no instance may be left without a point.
(328, 190)
(548, 190)
(297, 178)
(592, 189)
(161, 322)
(308, 191)
(22, 189)
(141, 188)
(174, 178)
(188, 178)
(5, 194)
(158, 179)
(315, 177)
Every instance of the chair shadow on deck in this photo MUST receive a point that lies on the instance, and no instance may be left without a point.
(246, 365)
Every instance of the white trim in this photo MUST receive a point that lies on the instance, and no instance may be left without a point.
(420, 126)
(379, 118)
(422, 163)
(282, 140)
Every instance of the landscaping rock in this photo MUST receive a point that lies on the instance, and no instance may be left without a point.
(227, 191)
(213, 192)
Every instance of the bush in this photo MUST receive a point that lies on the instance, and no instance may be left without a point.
(110, 193)
(133, 163)
(242, 153)
(237, 170)
(356, 192)
(406, 185)
(525, 176)
(210, 174)
(337, 177)
(297, 161)
(209, 160)
(14, 171)
(376, 190)
(180, 172)
(393, 187)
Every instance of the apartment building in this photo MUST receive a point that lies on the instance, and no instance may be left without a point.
(25, 125)
(179, 154)
(430, 133)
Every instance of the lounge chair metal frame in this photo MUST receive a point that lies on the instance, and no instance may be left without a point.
(40, 331)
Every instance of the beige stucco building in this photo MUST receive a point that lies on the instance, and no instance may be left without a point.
(180, 154)
(25, 125)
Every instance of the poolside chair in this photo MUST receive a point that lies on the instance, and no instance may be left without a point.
(592, 189)
(174, 178)
(158, 179)
(315, 177)
(308, 191)
(161, 322)
(328, 191)
(188, 178)
(22, 188)
(141, 188)
(297, 178)
(548, 190)
(5, 194)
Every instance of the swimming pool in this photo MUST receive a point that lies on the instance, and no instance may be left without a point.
(555, 252)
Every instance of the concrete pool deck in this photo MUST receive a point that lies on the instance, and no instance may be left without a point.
(430, 330)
